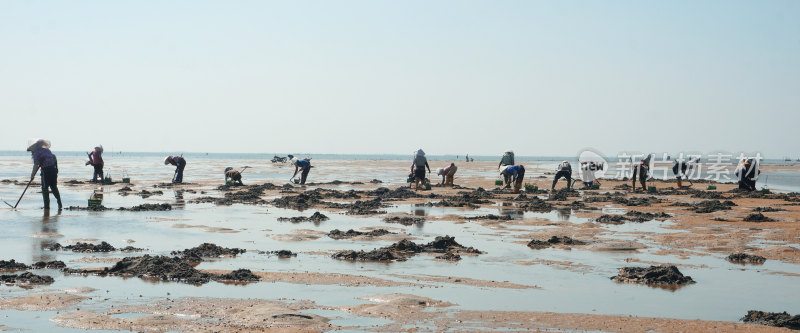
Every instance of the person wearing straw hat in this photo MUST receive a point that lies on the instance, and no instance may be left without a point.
(44, 159)
(180, 164)
(96, 160)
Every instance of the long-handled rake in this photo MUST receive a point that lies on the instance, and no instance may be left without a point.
(20, 197)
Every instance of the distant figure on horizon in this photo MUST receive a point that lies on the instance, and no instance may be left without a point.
(507, 159)
(447, 174)
(96, 160)
(43, 158)
(180, 163)
(680, 168)
(747, 171)
(513, 174)
(563, 170)
(234, 176)
(303, 166)
(418, 168)
(641, 169)
(467, 158)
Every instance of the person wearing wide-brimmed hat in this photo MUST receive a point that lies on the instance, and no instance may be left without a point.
(180, 164)
(44, 159)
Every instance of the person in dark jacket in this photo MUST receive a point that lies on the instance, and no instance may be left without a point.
(179, 164)
(234, 176)
(747, 171)
(44, 159)
(418, 168)
(303, 166)
(680, 168)
(563, 170)
(641, 169)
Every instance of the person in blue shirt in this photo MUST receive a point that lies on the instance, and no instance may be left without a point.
(303, 166)
(44, 159)
(513, 174)
(180, 164)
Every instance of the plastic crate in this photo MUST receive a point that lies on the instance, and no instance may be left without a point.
(94, 202)
(712, 187)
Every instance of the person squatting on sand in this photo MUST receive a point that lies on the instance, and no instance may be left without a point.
(747, 171)
(507, 159)
(96, 160)
(418, 168)
(587, 173)
(564, 169)
(681, 166)
(447, 174)
(641, 170)
(43, 158)
(180, 164)
(513, 174)
(303, 166)
(234, 176)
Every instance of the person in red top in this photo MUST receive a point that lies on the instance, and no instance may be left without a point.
(96, 160)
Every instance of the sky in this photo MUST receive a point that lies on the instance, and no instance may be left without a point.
(365, 77)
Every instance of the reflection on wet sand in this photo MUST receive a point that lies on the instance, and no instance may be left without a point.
(47, 225)
(501, 227)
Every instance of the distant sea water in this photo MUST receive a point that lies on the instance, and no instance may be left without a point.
(786, 181)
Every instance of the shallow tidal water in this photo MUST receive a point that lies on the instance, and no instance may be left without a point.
(724, 291)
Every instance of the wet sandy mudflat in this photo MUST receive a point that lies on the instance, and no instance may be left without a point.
(268, 259)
